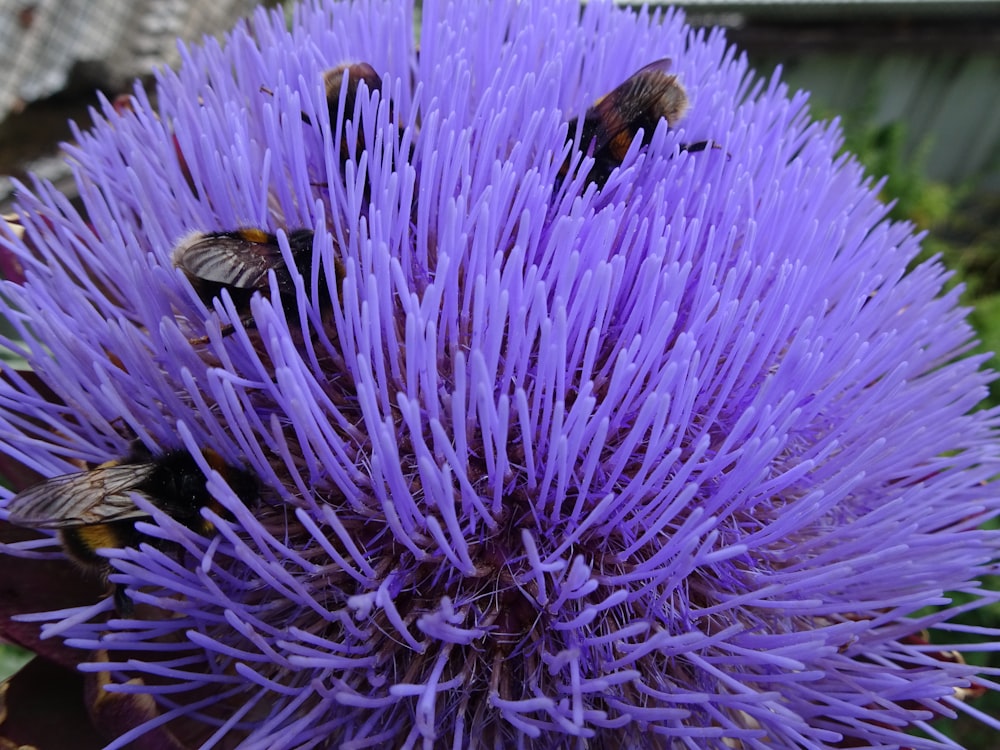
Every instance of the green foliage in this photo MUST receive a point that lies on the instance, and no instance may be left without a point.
(963, 228)
(962, 224)
(12, 658)
(882, 149)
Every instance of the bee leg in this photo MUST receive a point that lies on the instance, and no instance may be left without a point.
(226, 330)
(699, 146)
(123, 604)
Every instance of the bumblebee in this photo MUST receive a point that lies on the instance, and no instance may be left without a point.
(344, 81)
(93, 509)
(334, 82)
(240, 262)
(612, 123)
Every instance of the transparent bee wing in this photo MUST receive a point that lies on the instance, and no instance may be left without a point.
(233, 259)
(87, 497)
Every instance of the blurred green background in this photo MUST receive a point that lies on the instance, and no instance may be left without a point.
(962, 222)
(918, 97)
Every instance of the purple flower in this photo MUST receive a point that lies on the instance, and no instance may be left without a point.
(683, 459)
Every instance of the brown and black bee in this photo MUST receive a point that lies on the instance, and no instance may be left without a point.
(612, 123)
(93, 509)
(241, 261)
(344, 80)
(343, 83)
(338, 84)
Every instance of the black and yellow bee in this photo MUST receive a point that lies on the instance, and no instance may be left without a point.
(94, 509)
(241, 261)
(612, 123)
